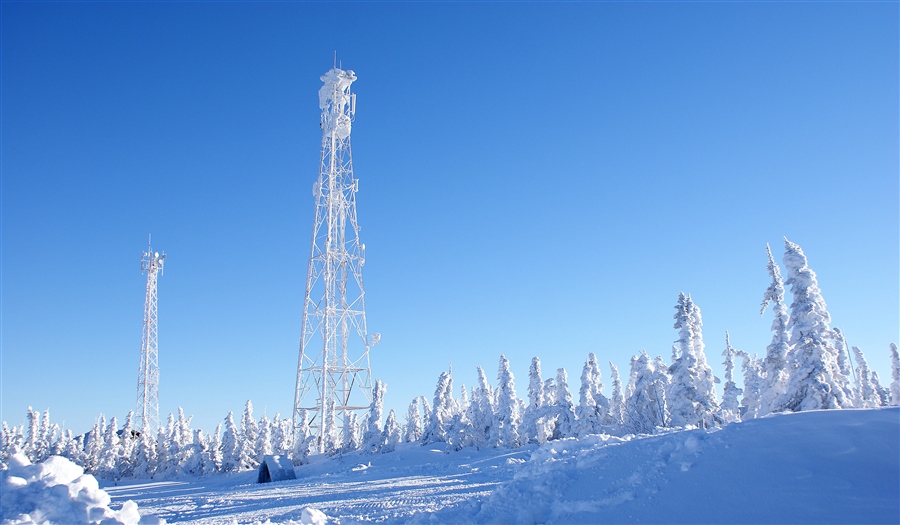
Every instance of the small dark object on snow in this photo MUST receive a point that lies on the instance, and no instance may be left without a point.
(275, 468)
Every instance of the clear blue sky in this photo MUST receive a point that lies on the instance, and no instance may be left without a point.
(535, 179)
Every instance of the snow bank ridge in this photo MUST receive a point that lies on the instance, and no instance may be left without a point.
(58, 491)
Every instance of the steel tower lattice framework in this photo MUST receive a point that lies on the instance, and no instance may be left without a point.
(148, 376)
(334, 344)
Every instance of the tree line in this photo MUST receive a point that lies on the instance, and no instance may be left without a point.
(807, 366)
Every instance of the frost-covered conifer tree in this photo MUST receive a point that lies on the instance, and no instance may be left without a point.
(645, 409)
(816, 381)
(895, 375)
(843, 353)
(43, 439)
(413, 427)
(145, 456)
(593, 407)
(303, 442)
(183, 436)
(533, 411)
(107, 467)
(93, 445)
(442, 413)
(32, 433)
(212, 453)
(281, 436)
(691, 395)
(247, 438)
(884, 395)
(331, 442)
(481, 411)
(58, 440)
(617, 401)
(505, 430)
(563, 406)
(752, 369)
(230, 447)
(463, 399)
(866, 389)
(730, 409)
(372, 440)
(392, 434)
(774, 371)
(128, 456)
(263, 439)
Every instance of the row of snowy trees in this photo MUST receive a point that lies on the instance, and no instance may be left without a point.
(807, 366)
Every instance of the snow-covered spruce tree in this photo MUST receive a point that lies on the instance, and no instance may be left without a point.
(564, 407)
(884, 395)
(352, 440)
(129, 441)
(691, 395)
(247, 439)
(774, 369)
(331, 441)
(730, 409)
(617, 401)
(304, 443)
(866, 389)
(843, 354)
(32, 430)
(392, 434)
(44, 439)
(94, 445)
(413, 428)
(505, 430)
(895, 375)
(752, 369)
(816, 381)
(212, 453)
(230, 445)
(481, 411)
(372, 440)
(282, 442)
(263, 445)
(530, 416)
(442, 413)
(645, 410)
(593, 407)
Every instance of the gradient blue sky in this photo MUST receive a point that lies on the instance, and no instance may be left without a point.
(535, 179)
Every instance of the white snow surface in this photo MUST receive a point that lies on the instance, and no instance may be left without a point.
(832, 466)
(58, 491)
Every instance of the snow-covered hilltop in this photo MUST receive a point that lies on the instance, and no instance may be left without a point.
(807, 367)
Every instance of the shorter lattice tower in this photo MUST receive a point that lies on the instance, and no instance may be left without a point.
(148, 377)
(333, 370)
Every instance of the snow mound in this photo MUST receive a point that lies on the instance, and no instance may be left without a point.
(58, 491)
(811, 467)
(310, 516)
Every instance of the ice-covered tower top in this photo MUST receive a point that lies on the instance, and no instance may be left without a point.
(337, 103)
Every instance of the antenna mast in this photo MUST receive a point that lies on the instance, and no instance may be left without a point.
(148, 376)
(333, 367)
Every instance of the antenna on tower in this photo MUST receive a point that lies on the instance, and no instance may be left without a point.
(148, 375)
(333, 370)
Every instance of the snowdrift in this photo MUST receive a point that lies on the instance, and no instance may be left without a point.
(57, 491)
(837, 466)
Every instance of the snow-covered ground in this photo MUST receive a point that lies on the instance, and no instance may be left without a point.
(837, 466)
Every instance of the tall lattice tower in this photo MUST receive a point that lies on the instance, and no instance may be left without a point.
(148, 376)
(333, 372)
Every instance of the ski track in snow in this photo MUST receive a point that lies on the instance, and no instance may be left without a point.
(348, 489)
